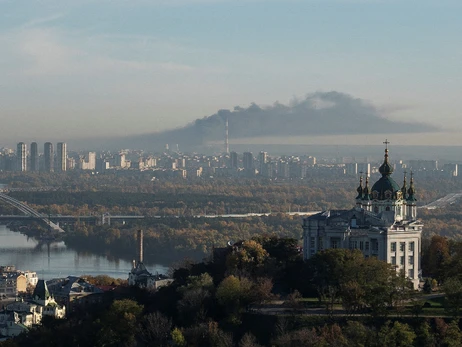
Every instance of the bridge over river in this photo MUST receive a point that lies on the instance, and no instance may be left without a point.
(28, 211)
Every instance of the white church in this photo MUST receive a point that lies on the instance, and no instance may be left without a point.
(383, 224)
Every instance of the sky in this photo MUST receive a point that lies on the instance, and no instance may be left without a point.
(73, 69)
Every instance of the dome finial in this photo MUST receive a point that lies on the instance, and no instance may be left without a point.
(404, 188)
(366, 195)
(360, 188)
(386, 169)
(411, 190)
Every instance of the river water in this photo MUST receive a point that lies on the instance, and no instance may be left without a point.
(56, 260)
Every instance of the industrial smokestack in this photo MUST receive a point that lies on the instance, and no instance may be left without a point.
(140, 245)
(226, 137)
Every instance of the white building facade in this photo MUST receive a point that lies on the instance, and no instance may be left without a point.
(383, 224)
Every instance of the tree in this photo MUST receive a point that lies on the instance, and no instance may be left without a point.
(293, 301)
(398, 334)
(453, 294)
(155, 329)
(196, 298)
(120, 322)
(333, 336)
(234, 293)
(261, 290)
(330, 269)
(425, 336)
(218, 338)
(178, 338)
(357, 334)
(248, 340)
(302, 337)
(453, 336)
(435, 256)
(193, 306)
(247, 257)
(352, 297)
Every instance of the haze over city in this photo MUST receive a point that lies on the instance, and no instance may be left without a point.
(102, 70)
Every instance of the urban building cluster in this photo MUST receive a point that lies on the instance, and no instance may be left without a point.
(20, 315)
(174, 164)
(26, 299)
(14, 282)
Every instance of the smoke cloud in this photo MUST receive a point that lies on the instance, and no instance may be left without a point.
(320, 113)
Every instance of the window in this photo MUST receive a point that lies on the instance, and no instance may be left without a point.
(375, 245)
(367, 245)
(393, 246)
(361, 245)
(411, 260)
(312, 242)
(411, 246)
(402, 246)
(334, 243)
(393, 260)
(401, 261)
(320, 243)
(353, 244)
(410, 273)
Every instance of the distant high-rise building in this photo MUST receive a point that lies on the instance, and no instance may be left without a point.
(21, 157)
(71, 163)
(120, 160)
(48, 155)
(247, 161)
(34, 163)
(351, 169)
(233, 162)
(262, 159)
(87, 162)
(283, 169)
(311, 161)
(61, 156)
(91, 160)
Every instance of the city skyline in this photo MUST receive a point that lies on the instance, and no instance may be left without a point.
(95, 69)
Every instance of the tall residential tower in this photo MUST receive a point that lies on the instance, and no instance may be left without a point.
(61, 156)
(48, 155)
(34, 163)
(21, 157)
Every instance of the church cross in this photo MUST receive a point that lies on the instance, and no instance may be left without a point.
(386, 142)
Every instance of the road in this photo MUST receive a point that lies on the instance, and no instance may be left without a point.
(444, 201)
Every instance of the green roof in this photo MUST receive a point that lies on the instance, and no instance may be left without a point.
(384, 184)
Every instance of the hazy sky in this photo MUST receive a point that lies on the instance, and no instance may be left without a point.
(84, 68)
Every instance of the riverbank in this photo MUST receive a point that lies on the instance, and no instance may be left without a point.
(55, 259)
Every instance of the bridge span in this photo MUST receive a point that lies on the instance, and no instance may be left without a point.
(29, 211)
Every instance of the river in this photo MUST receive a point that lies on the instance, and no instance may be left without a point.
(56, 260)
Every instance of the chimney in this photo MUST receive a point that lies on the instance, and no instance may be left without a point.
(140, 245)
(226, 137)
